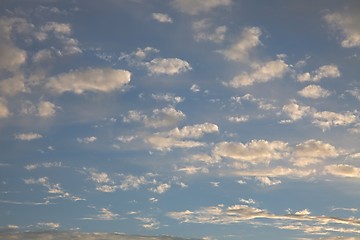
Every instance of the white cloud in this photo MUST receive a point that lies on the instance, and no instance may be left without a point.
(256, 151)
(13, 85)
(295, 111)
(313, 151)
(31, 167)
(194, 7)
(4, 111)
(275, 172)
(347, 23)
(343, 170)
(162, 143)
(107, 215)
(11, 57)
(168, 66)
(87, 139)
(355, 93)
(162, 17)
(261, 103)
(266, 181)
(149, 223)
(51, 225)
(314, 91)
(161, 188)
(171, 98)
(193, 131)
(164, 117)
(202, 32)
(92, 79)
(126, 139)
(325, 71)
(240, 50)
(46, 109)
(261, 73)
(43, 55)
(99, 177)
(58, 28)
(131, 182)
(28, 136)
(239, 118)
(195, 88)
(190, 170)
(327, 119)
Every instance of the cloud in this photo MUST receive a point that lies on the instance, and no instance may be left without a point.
(274, 172)
(161, 188)
(313, 151)
(132, 182)
(202, 32)
(347, 23)
(195, 88)
(355, 93)
(261, 103)
(266, 181)
(11, 57)
(240, 50)
(165, 141)
(325, 71)
(31, 167)
(162, 17)
(171, 98)
(314, 92)
(295, 111)
(343, 170)
(194, 7)
(254, 152)
(13, 85)
(149, 223)
(48, 225)
(57, 28)
(46, 109)
(28, 136)
(91, 79)
(164, 117)
(239, 118)
(104, 215)
(168, 66)
(87, 139)
(327, 119)
(4, 111)
(261, 73)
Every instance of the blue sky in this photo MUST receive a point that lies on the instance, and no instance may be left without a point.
(217, 119)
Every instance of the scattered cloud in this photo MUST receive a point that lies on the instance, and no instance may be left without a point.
(347, 23)
(239, 51)
(239, 118)
(161, 188)
(87, 139)
(4, 111)
(13, 85)
(35, 166)
(203, 32)
(168, 66)
(89, 80)
(261, 73)
(314, 92)
(48, 225)
(325, 71)
(162, 17)
(343, 170)
(194, 7)
(327, 119)
(195, 88)
(171, 98)
(266, 181)
(28, 136)
(46, 109)
(296, 111)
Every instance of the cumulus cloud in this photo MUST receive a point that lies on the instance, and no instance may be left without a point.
(274, 172)
(195, 88)
(4, 111)
(325, 71)
(314, 92)
(13, 85)
(239, 118)
(203, 32)
(28, 136)
(129, 182)
(347, 23)
(104, 215)
(256, 151)
(193, 131)
(46, 109)
(11, 56)
(343, 170)
(162, 143)
(31, 167)
(171, 98)
(161, 188)
(261, 73)
(295, 111)
(327, 119)
(48, 225)
(92, 80)
(87, 139)
(168, 66)
(355, 93)
(194, 7)
(266, 181)
(261, 103)
(164, 117)
(313, 151)
(239, 51)
(162, 17)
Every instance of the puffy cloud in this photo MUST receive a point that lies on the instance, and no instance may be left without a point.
(4, 111)
(355, 93)
(11, 57)
(190, 170)
(261, 73)
(165, 117)
(104, 215)
(31, 167)
(131, 182)
(13, 85)
(327, 119)
(46, 109)
(92, 79)
(51, 225)
(347, 23)
(312, 151)
(202, 32)
(58, 28)
(266, 181)
(274, 172)
(101, 177)
(343, 170)
(261, 103)
(87, 139)
(162, 188)
(28, 136)
(164, 141)
(162, 17)
(168, 66)
(195, 88)
(256, 151)
(194, 7)
(168, 98)
(295, 111)
(238, 118)
(314, 91)
(250, 38)
(325, 71)
(149, 223)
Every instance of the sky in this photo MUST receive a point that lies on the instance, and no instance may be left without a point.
(180, 119)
